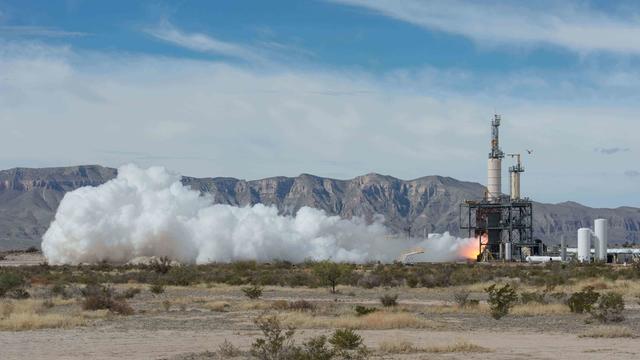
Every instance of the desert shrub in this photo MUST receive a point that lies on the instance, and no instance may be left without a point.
(31, 249)
(10, 281)
(363, 310)
(156, 289)
(166, 305)
(473, 302)
(228, 350)
(583, 301)
(346, 339)
(97, 297)
(280, 305)
(347, 344)
(301, 305)
(314, 349)
(609, 308)
(330, 272)
(161, 265)
(181, 275)
(369, 281)
(461, 297)
(130, 293)
(389, 300)
(412, 281)
(18, 294)
(253, 292)
(528, 297)
(501, 300)
(277, 341)
(60, 289)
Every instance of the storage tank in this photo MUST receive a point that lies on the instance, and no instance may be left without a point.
(584, 244)
(515, 185)
(494, 179)
(507, 251)
(601, 230)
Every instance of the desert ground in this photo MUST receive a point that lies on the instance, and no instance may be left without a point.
(193, 321)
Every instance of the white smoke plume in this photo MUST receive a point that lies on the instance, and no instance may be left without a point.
(148, 212)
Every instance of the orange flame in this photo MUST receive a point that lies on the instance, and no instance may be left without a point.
(471, 250)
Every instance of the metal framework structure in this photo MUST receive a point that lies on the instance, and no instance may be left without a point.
(504, 229)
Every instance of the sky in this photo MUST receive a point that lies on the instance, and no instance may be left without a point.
(337, 88)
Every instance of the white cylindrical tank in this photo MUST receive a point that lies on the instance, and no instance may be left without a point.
(515, 185)
(507, 251)
(542, 259)
(494, 179)
(584, 244)
(601, 230)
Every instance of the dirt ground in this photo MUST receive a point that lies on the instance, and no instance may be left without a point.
(180, 324)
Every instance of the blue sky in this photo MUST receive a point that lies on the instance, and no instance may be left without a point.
(336, 88)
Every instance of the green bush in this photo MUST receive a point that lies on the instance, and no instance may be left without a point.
(161, 265)
(10, 281)
(388, 300)
(130, 293)
(528, 297)
(609, 308)
(18, 294)
(345, 339)
(363, 310)
(501, 300)
(253, 292)
(301, 305)
(583, 301)
(97, 297)
(412, 281)
(228, 350)
(276, 343)
(329, 273)
(156, 289)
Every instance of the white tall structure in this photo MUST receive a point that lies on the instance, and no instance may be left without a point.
(584, 244)
(494, 166)
(601, 232)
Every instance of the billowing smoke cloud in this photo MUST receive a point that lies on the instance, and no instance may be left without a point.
(148, 212)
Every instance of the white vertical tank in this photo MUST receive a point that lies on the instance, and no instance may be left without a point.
(601, 230)
(515, 185)
(584, 244)
(494, 179)
(507, 251)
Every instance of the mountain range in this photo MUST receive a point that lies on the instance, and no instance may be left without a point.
(29, 199)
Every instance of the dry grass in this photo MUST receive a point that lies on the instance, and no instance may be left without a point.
(397, 347)
(459, 346)
(535, 309)
(405, 347)
(32, 321)
(481, 308)
(380, 320)
(218, 306)
(32, 314)
(608, 332)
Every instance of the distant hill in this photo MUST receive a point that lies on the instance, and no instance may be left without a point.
(30, 197)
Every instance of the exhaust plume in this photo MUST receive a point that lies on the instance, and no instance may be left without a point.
(149, 212)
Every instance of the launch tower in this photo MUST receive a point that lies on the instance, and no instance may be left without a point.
(503, 224)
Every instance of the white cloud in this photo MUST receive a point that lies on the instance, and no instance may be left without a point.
(570, 25)
(205, 118)
(165, 31)
(16, 30)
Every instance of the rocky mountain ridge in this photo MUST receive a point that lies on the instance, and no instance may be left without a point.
(29, 199)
